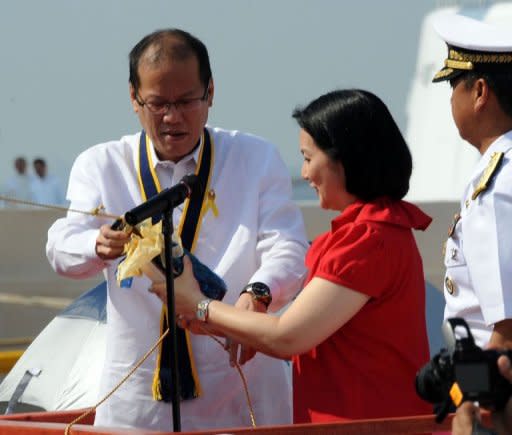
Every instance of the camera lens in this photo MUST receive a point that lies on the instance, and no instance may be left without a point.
(433, 380)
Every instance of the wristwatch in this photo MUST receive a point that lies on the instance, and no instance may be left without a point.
(202, 310)
(259, 291)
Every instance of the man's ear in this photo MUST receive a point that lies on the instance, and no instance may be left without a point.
(133, 98)
(480, 94)
(211, 90)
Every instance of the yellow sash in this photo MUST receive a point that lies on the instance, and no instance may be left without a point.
(188, 230)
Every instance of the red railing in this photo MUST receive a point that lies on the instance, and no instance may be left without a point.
(51, 423)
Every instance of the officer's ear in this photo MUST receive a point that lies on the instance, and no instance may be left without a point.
(480, 92)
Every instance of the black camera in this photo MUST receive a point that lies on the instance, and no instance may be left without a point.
(464, 371)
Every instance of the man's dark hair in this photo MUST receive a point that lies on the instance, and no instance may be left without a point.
(39, 161)
(500, 83)
(173, 44)
(355, 127)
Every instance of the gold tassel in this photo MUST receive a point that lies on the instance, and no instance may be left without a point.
(156, 387)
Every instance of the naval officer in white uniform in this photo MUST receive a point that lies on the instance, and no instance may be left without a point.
(478, 252)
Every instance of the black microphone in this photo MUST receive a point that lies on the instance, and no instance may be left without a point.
(166, 199)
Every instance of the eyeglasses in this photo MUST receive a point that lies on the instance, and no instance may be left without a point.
(182, 106)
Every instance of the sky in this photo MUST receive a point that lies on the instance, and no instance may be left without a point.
(65, 69)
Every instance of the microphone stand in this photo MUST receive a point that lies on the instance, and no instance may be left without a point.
(164, 202)
(167, 229)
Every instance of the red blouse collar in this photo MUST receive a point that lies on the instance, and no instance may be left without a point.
(384, 210)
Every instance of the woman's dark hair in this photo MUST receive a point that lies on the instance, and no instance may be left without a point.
(355, 127)
(165, 43)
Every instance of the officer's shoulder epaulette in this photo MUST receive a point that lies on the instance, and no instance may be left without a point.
(489, 173)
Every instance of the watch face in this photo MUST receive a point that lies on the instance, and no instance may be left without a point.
(259, 289)
(260, 292)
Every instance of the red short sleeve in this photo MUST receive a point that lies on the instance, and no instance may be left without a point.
(353, 257)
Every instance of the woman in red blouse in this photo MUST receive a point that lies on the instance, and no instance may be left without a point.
(356, 332)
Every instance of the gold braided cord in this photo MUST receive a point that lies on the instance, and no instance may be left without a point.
(244, 381)
(139, 363)
(121, 382)
(247, 396)
(480, 57)
(97, 211)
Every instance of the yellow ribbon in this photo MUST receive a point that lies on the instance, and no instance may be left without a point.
(210, 202)
(140, 250)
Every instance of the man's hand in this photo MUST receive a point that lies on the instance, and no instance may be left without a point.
(502, 420)
(248, 303)
(466, 415)
(501, 337)
(110, 243)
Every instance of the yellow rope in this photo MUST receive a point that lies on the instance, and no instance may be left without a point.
(121, 382)
(98, 211)
(139, 363)
(244, 381)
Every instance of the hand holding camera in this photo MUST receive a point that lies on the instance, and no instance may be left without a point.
(467, 419)
(463, 371)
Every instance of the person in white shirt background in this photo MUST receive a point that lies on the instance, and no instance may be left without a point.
(45, 188)
(17, 186)
(249, 232)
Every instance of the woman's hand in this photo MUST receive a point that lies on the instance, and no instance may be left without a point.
(187, 293)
